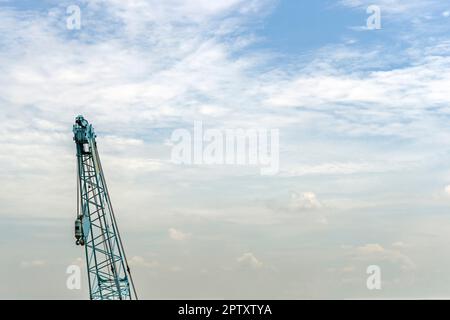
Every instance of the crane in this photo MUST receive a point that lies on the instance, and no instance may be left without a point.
(95, 226)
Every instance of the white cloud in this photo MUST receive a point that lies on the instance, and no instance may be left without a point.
(141, 83)
(304, 206)
(137, 164)
(348, 269)
(392, 6)
(375, 253)
(178, 235)
(129, 85)
(139, 261)
(118, 142)
(78, 262)
(399, 245)
(175, 269)
(33, 264)
(371, 248)
(447, 190)
(249, 260)
(304, 201)
(408, 88)
(396, 102)
(171, 10)
(129, 89)
(341, 168)
(446, 14)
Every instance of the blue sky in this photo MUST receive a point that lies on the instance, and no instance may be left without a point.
(364, 144)
(298, 26)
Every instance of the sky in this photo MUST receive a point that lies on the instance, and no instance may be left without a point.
(364, 145)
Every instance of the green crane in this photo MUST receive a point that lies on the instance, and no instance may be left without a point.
(96, 226)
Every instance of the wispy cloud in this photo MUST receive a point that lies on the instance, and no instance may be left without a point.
(398, 7)
(33, 264)
(249, 260)
(178, 235)
(139, 261)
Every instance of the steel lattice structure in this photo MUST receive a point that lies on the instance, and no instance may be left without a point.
(96, 227)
